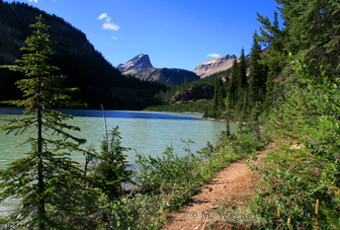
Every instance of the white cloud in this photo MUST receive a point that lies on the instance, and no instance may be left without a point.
(36, 1)
(110, 26)
(102, 16)
(214, 55)
(113, 37)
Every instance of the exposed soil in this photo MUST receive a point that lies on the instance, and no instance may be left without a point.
(228, 190)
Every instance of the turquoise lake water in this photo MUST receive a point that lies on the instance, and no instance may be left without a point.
(144, 132)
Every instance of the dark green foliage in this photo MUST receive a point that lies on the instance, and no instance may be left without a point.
(208, 81)
(242, 108)
(257, 72)
(223, 74)
(186, 106)
(228, 117)
(111, 172)
(237, 92)
(200, 105)
(237, 86)
(255, 113)
(49, 183)
(219, 93)
(242, 71)
(193, 105)
(233, 83)
(313, 30)
(157, 172)
(168, 77)
(218, 101)
(274, 56)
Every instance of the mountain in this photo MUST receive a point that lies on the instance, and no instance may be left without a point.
(136, 65)
(216, 65)
(141, 68)
(86, 68)
(167, 76)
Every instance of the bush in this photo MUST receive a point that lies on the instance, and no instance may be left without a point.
(111, 172)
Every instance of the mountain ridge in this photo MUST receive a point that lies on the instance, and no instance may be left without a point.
(140, 67)
(216, 65)
(76, 57)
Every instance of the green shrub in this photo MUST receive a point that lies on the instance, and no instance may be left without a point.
(110, 173)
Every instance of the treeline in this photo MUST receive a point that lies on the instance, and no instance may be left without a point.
(201, 105)
(166, 95)
(241, 89)
(195, 106)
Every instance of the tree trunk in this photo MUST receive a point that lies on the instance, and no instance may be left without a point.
(41, 184)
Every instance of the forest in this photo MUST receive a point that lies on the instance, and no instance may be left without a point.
(287, 93)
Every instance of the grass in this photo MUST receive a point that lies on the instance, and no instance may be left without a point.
(292, 195)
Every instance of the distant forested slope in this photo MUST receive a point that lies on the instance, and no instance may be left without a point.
(86, 68)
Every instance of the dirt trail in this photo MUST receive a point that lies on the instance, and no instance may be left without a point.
(228, 188)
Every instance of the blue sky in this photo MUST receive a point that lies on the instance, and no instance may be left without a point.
(174, 33)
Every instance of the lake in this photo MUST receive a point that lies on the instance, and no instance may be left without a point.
(144, 132)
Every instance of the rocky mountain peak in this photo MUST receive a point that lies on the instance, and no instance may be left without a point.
(215, 65)
(137, 64)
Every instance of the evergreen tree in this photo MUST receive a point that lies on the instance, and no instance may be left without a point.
(255, 113)
(218, 101)
(227, 116)
(257, 75)
(313, 29)
(233, 83)
(220, 93)
(111, 171)
(274, 56)
(48, 182)
(227, 80)
(242, 66)
(241, 108)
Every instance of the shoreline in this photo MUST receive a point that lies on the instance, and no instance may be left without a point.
(193, 113)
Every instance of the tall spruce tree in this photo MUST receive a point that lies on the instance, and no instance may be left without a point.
(257, 75)
(49, 184)
(242, 71)
(218, 101)
(274, 56)
(233, 83)
(240, 101)
(220, 93)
